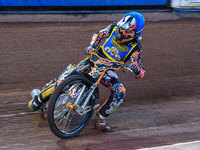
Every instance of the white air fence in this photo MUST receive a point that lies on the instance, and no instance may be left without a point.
(186, 4)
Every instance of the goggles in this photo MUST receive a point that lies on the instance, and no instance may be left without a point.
(127, 32)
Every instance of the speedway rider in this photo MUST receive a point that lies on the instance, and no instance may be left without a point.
(122, 44)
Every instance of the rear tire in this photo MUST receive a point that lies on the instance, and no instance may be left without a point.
(60, 118)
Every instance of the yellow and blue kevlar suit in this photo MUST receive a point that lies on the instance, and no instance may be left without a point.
(112, 50)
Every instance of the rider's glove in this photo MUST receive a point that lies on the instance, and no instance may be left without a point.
(88, 49)
(139, 73)
(135, 68)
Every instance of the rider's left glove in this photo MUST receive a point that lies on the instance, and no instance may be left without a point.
(88, 49)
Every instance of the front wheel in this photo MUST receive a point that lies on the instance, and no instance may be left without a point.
(63, 119)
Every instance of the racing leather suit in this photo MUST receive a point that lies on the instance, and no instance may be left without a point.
(112, 50)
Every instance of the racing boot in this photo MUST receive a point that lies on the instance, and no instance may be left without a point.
(100, 123)
(34, 104)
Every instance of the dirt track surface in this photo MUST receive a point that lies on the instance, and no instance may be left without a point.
(163, 108)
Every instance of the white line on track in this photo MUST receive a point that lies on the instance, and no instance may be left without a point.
(17, 114)
(195, 145)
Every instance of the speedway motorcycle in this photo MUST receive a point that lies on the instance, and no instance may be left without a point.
(71, 106)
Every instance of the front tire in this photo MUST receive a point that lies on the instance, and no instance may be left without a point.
(63, 121)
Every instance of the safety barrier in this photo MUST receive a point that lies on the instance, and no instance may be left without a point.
(82, 2)
(97, 5)
(81, 5)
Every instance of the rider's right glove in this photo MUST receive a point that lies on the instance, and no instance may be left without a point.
(88, 49)
(135, 68)
(139, 72)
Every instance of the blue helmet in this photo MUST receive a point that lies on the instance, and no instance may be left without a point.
(130, 26)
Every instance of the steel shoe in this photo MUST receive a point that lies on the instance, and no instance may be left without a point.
(100, 124)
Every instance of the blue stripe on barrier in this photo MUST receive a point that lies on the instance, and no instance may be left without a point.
(188, 10)
(81, 2)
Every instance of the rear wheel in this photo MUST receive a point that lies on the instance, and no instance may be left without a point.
(64, 121)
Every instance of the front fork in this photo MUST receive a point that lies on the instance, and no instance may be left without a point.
(84, 108)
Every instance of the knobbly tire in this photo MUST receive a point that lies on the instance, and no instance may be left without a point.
(59, 125)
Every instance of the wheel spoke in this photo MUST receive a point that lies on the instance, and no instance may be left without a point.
(58, 117)
(68, 120)
(59, 122)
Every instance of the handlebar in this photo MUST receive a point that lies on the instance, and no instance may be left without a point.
(123, 65)
(127, 68)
